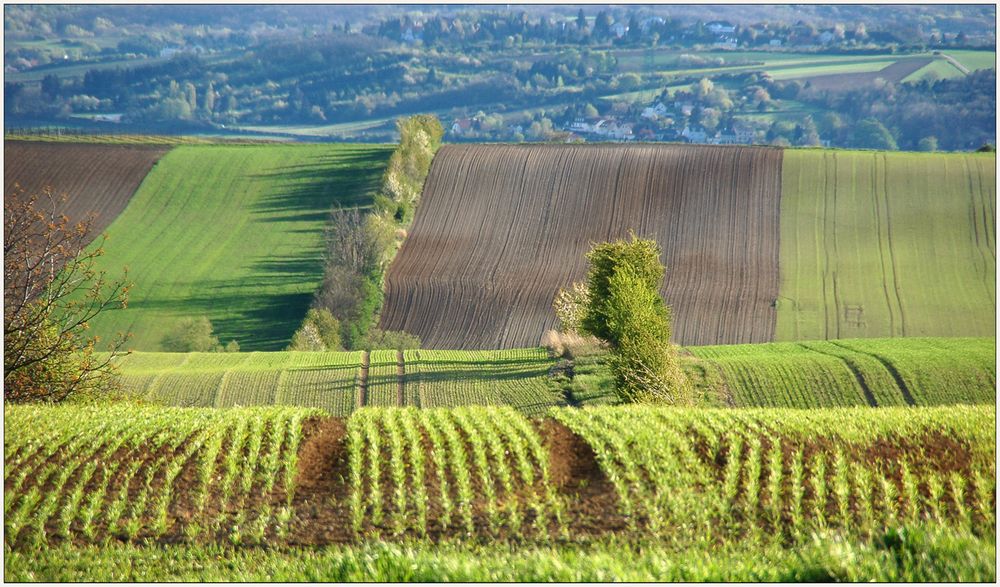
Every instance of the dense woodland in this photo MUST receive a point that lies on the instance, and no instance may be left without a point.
(523, 74)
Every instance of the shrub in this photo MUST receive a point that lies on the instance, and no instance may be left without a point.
(644, 365)
(307, 338)
(195, 335)
(320, 331)
(398, 340)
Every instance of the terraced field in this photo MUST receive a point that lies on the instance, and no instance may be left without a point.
(501, 228)
(233, 233)
(282, 476)
(94, 178)
(887, 244)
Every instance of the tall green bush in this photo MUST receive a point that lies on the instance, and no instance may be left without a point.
(625, 310)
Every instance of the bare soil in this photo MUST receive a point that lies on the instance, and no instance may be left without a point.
(502, 227)
(842, 82)
(97, 179)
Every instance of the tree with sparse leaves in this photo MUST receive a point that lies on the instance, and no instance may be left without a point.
(52, 290)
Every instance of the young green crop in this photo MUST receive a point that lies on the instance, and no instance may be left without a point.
(117, 474)
(671, 479)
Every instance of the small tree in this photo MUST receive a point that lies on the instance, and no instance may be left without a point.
(52, 291)
(320, 331)
(624, 309)
(196, 335)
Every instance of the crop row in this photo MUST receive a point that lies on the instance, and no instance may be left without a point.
(517, 377)
(315, 380)
(783, 474)
(466, 470)
(135, 472)
(877, 372)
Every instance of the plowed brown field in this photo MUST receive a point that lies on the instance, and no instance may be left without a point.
(95, 178)
(501, 228)
(850, 81)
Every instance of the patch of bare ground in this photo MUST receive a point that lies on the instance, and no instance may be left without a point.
(592, 504)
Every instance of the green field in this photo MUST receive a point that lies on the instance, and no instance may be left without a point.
(858, 372)
(877, 244)
(101, 471)
(935, 70)
(675, 474)
(974, 60)
(331, 381)
(812, 374)
(233, 233)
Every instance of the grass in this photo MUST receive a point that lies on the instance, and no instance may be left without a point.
(919, 553)
(974, 60)
(233, 233)
(935, 70)
(877, 244)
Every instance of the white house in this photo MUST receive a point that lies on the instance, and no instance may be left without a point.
(775, 42)
(655, 111)
(720, 27)
(694, 135)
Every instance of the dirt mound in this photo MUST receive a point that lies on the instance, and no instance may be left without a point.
(572, 462)
(502, 227)
(323, 456)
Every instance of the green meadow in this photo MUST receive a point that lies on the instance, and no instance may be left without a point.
(233, 233)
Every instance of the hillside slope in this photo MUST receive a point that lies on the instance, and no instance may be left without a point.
(501, 228)
(887, 244)
(233, 233)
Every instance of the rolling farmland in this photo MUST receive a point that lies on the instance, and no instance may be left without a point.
(95, 178)
(316, 380)
(887, 244)
(782, 474)
(333, 381)
(134, 473)
(517, 378)
(233, 233)
(502, 228)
